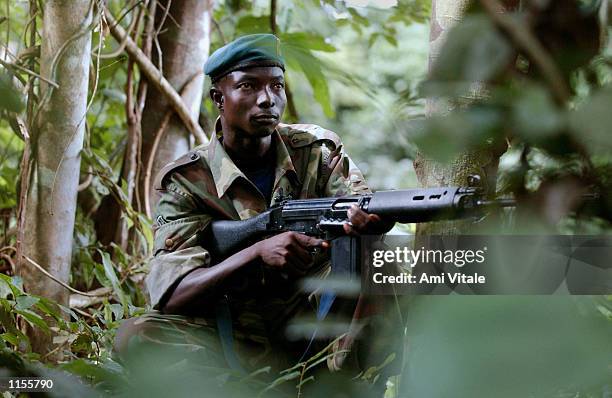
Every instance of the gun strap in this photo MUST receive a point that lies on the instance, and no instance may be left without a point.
(344, 257)
(325, 304)
(224, 327)
(329, 160)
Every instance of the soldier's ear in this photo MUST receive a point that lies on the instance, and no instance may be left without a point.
(217, 97)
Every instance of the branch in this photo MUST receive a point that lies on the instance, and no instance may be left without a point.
(73, 290)
(83, 186)
(290, 103)
(523, 38)
(24, 175)
(92, 298)
(273, 16)
(143, 86)
(133, 25)
(158, 136)
(157, 79)
(9, 65)
(9, 260)
(218, 27)
(149, 167)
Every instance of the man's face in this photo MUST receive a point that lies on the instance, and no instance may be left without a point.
(252, 100)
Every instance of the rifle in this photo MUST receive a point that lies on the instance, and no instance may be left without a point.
(324, 218)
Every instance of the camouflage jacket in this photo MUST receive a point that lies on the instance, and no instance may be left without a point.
(206, 185)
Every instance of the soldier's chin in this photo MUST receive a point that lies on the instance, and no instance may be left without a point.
(264, 131)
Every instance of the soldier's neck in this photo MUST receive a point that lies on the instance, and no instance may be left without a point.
(249, 152)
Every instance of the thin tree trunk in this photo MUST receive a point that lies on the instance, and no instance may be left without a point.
(184, 42)
(57, 140)
(445, 14)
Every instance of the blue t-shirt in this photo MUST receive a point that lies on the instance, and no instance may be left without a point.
(263, 178)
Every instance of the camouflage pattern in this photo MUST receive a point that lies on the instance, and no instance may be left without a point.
(206, 185)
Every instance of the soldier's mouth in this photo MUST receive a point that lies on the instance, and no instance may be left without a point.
(265, 118)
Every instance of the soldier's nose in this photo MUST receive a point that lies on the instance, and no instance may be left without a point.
(265, 99)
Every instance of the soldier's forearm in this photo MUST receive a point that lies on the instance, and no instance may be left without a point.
(204, 282)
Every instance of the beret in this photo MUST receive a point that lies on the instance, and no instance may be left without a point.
(245, 52)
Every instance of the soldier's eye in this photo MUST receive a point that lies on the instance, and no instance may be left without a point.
(279, 85)
(245, 85)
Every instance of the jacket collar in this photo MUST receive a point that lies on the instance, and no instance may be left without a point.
(225, 172)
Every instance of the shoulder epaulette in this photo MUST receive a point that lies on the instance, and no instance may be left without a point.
(300, 135)
(189, 158)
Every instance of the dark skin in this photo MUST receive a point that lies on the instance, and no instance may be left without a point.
(251, 103)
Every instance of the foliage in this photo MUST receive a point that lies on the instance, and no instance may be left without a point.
(508, 346)
(549, 105)
(85, 332)
(355, 70)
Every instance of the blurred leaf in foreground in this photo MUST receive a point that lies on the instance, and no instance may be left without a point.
(506, 346)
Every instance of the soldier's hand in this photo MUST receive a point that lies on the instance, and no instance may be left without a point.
(289, 250)
(361, 222)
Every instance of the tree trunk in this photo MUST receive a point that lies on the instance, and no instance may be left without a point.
(57, 140)
(445, 14)
(184, 42)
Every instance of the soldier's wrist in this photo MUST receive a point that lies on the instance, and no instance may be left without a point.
(254, 251)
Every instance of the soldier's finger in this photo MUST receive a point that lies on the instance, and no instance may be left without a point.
(304, 257)
(375, 218)
(349, 229)
(309, 241)
(297, 261)
(357, 217)
(296, 269)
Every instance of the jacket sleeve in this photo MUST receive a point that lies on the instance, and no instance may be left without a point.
(177, 250)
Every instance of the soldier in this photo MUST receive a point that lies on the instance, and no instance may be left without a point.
(252, 162)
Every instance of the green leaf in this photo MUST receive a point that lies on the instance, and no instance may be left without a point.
(68, 311)
(374, 371)
(444, 137)
(307, 41)
(283, 379)
(117, 311)
(301, 58)
(591, 122)
(534, 115)
(373, 38)
(96, 372)
(358, 17)
(306, 380)
(34, 319)
(10, 338)
(392, 40)
(146, 228)
(252, 24)
(469, 335)
(48, 307)
(109, 272)
(474, 51)
(24, 302)
(101, 276)
(5, 290)
(10, 97)
(7, 320)
(17, 339)
(14, 284)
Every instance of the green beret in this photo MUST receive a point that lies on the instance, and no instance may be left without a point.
(245, 52)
